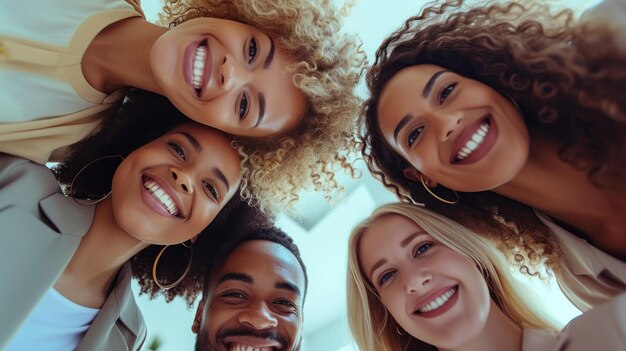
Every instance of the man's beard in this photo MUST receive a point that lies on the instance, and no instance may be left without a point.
(203, 343)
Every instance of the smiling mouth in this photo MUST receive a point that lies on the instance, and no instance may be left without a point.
(243, 347)
(199, 64)
(474, 141)
(161, 196)
(437, 302)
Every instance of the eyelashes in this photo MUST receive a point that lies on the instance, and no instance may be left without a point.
(418, 250)
(180, 152)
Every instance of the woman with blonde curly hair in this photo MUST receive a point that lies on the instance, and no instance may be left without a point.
(420, 281)
(515, 108)
(251, 68)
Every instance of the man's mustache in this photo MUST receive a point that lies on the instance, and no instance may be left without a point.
(272, 335)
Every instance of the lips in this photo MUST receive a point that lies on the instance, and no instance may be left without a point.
(250, 343)
(161, 197)
(475, 141)
(437, 302)
(198, 65)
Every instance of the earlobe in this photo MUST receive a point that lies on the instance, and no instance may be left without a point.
(195, 327)
(412, 174)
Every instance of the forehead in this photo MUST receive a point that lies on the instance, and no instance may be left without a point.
(265, 262)
(385, 232)
(403, 90)
(286, 103)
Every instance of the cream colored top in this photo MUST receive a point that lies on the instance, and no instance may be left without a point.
(588, 276)
(45, 101)
(600, 329)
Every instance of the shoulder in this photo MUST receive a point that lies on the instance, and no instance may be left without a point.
(602, 328)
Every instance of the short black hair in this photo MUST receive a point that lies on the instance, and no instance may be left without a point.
(267, 233)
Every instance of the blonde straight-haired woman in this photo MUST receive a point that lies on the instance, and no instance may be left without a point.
(414, 283)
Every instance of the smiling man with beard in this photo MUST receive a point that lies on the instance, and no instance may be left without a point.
(253, 298)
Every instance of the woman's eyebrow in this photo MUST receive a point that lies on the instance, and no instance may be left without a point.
(270, 54)
(193, 141)
(431, 82)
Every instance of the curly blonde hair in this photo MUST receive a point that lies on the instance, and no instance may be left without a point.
(371, 324)
(327, 69)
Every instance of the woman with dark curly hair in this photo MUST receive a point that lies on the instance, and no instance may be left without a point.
(168, 181)
(419, 281)
(252, 68)
(514, 108)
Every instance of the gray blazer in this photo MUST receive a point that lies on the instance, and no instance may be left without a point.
(40, 230)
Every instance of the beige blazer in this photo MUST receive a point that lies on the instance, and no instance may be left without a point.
(600, 329)
(587, 276)
(37, 140)
(40, 230)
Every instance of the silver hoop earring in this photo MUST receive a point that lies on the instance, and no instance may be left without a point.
(186, 244)
(512, 101)
(399, 330)
(70, 190)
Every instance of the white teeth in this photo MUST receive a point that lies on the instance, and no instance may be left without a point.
(240, 347)
(474, 142)
(439, 301)
(163, 197)
(198, 66)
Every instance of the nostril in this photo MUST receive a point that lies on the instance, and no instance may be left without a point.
(222, 79)
(448, 133)
(174, 175)
(224, 61)
(185, 187)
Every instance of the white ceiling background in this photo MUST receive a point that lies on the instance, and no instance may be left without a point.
(321, 230)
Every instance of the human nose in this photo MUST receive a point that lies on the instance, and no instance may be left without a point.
(258, 317)
(416, 281)
(182, 179)
(448, 122)
(234, 75)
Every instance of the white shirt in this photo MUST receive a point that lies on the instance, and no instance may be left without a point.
(56, 324)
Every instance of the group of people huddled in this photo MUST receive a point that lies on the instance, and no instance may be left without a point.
(162, 152)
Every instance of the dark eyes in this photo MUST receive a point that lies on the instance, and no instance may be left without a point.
(243, 106)
(211, 190)
(252, 50)
(413, 134)
(445, 92)
(177, 149)
(180, 152)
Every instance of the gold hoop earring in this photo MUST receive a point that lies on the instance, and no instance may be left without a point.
(180, 279)
(70, 190)
(449, 202)
(399, 330)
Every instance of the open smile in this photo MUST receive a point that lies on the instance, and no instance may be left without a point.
(437, 303)
(475, 141)
(198, 65)
(160, 198)
(251, 343)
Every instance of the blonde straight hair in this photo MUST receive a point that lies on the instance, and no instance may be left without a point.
(372, 326)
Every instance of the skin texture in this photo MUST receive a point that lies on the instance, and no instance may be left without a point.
(125, 223)
(440, 123)
(415, 266)
(244, 64)
(201, 181)
(264, 310)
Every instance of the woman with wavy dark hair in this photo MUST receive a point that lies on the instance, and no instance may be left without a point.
(502, 109)
(278, 74)
(157, 187)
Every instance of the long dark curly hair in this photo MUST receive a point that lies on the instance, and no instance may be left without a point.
(567, 78)
(141, 118)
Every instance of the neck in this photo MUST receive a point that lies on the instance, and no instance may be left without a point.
(119, 56)
(557, 188)
(499, 333)
(90, 276)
